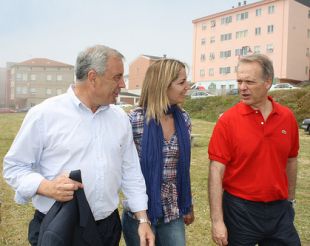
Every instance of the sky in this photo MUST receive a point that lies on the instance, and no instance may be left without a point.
(60, 29)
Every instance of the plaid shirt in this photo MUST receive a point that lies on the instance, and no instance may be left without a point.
(169, 193)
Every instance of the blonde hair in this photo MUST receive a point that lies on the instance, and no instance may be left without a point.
(158, 78)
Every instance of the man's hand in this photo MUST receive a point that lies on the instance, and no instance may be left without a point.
(189, 218)
(219, 233)
(146, 235)
(61, 188)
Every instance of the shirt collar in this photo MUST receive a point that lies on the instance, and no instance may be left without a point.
(246, 109)
(80, 104)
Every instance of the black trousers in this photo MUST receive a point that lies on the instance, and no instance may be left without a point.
(109, 229)
(264, 223)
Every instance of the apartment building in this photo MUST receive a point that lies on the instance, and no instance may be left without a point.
(3, 87)
(279, 29)
(137, 70)
(37, 79)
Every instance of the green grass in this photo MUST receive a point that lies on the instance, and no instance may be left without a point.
(15, 218)
(209, 108)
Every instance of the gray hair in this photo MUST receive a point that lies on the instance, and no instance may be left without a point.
(95, 58)
(264, 62)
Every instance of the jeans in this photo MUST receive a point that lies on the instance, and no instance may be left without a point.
(166, 234)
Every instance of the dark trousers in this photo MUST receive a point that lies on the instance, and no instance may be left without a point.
(266, 224)
(109, 229)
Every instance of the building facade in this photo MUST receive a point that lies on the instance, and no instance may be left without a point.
(279, 29)
(137, 70)
(3, 88)
(35, 80)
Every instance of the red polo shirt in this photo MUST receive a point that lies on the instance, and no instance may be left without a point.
(255, 152)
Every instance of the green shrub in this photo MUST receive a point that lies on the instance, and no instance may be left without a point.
(211, 107)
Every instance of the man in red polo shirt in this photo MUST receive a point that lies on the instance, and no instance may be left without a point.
(253, 152)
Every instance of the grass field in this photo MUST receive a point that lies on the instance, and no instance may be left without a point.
(15, 218)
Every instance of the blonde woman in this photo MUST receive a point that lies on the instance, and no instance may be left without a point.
(161, 130)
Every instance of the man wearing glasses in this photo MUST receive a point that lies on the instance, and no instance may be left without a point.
(253, 152)
(81, 130)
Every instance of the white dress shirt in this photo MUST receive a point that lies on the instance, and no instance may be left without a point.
(61, 134)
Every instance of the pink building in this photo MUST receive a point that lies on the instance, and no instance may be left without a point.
(137, 70)
(278, 28)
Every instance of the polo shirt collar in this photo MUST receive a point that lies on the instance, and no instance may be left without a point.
(246, 109)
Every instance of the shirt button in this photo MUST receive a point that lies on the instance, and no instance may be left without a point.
(256, 112)
(262, 123)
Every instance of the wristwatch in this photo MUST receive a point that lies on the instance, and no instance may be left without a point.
(144, 220)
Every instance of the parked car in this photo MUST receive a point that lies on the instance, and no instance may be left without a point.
(198, 87)
(21, 110)
(306, 125)
(233, 92)
(123, 105)
(200, 94)
(283, 86)
(7, 110)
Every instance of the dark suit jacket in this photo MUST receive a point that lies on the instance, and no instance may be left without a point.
(70, 223)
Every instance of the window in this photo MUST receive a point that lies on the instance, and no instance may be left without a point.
(241, 34)
(243, 51)
(202, 57)
(307, 70)
(269, 48)
(213, 23)
(33, 77)
(271, 9)
(59, 91)
(18, 90)
(212, 39)
(48, 91)
(203, 41)
(226, 20)
(237, 52)
(24, 90)
(242, 16)
(203, 26)
(270, 29)
(258, 12)
(308, 33)
(48, 77)
(225, 54)
(211, 71)
(33, 91)
(211, 56)
(257, 49)
(25, 77)
(224, 70)
(307, 52)
(59, 77)
(226, 36)
(18, 76)
(257, 31)
(202, 72)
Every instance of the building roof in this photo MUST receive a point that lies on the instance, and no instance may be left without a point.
(304, 2)
(125, 93)
(240, 7)
(154, 57)
(39, 62)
